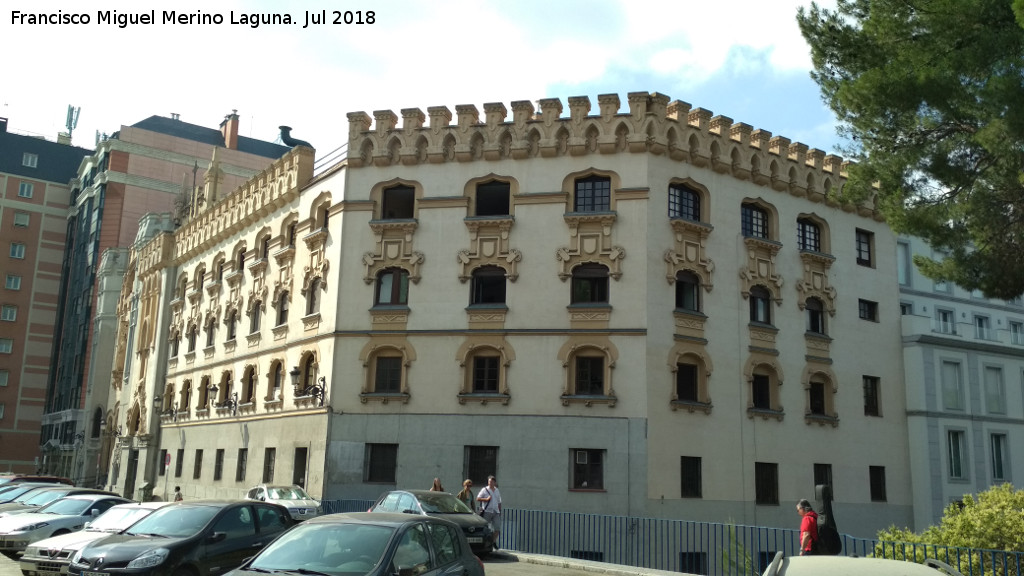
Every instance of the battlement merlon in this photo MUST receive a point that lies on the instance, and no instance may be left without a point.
(654, 124)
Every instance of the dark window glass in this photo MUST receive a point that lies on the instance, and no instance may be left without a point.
(388, 377)
(242, 465)
(398, 203)
(760, 305)
(486, 373)
(766, 480)
(232, 325)
(823, 474)
(488, 285)
(754, 221)
(877, 479)
(218, 464)
(179, 461)
(868, 310)
(269, 461)
(762, 392)
(163, 458)
(282, 309)
(683, 202)
(392, 287)
(192, 339)
(865, 241)
(817, 398)
(593, 194)
(690, 476)
(313, 297)
(686, 382)
(481, 462)
(590, 284)
(197, 467)
(588, 469)
(815, 316)
(590, 375)
(254, 320)
(299, 467)
(382, 461)
(687, 291)
(808, 235)
(871, 396)
(492, 199)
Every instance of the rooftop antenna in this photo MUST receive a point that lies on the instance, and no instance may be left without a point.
(72, 121)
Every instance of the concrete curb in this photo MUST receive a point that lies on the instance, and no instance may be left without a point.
(586, 565)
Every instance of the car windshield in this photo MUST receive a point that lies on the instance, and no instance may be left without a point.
(175, 521)
(442, 503)
(15, 492)
(328, 548)
(118, 518)
(287, 493)
(66, 507)
(43, 498)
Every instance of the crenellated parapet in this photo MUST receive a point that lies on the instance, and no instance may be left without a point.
(652, 125)
(249, 204)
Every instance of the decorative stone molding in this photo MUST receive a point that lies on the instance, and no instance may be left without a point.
(280, 332)
(689, 252)
(209, 351)
(253, 339)
(311, 322)
(489, 247)
(588, 344)
(814, 283)
(486, 318)
(689, 324)
(394, 240)
(653, 125)
(760, 268)
(230, 345)
(590, 241)
(213, 289)
(582, 316)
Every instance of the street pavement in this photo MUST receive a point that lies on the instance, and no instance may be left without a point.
(503, 563)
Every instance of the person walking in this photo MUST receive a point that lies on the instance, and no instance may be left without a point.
(177, 494)
(490, 506)
(808, 527)
(466, 495)
(436, 486)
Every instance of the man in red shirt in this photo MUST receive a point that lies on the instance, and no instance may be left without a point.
(808, 527)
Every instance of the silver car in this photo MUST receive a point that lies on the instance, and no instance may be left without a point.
(51, 556)
(59, 517)
(300, 505)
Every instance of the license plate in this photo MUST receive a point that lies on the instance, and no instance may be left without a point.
(470, 540)
(87, 573)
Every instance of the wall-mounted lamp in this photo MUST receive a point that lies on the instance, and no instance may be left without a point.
(316, 391)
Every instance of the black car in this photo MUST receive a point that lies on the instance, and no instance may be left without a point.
(441, 504)
(371, 544)
(202, 537)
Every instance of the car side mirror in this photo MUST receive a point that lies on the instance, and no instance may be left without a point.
(217, 537)
(94, 513)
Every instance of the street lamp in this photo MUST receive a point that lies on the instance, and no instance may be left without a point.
(230, 402)
(315, 391)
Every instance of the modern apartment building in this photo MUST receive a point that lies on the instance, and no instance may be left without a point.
(34, 196)
(963, 355)
(651, 312)
(141, 168)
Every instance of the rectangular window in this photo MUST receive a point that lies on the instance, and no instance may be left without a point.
(995, 392)
(952, 387)
(399, 203)
(955, 439)
(865, 248)
(3, 408)
(587, 469)
(754, 221)
(388, 377)
(1016, 332)
(485, 374)
(872, 405)
(589, 376)
(998, 456)
(25, 189)
(683, 203)
(21, 219)
(906, 309)
(269, 460)
(945, 321)
(30, 160)
(904, 263)
(197, 467)
(822, 474)
(690, 477)
(982, 328)
(9, 313)
(492, 199)
(218, 464)
(761, 392)
(816, 398)
(686, 383)
(179, 461)
(299, 465)
(5, 376)
(808, 236)
(162, 468)
(381, 463)
(877, 481)
(6, 345)
(17, 250)
(766, 483)
(480, 462)
(12, 282)
(242, 464)
(867, 310)
(593, 194)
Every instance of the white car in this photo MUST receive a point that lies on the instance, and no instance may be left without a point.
(51, 556)
(58, 517)
(848, 566)
(301, 506)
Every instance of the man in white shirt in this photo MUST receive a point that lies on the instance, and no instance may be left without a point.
(490, 506)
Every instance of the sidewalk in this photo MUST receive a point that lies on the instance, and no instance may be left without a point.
(584, 565)
(9, 567)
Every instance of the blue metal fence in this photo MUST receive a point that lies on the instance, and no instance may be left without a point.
(698, 547)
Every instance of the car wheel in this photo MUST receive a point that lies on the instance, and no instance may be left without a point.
(60, 532)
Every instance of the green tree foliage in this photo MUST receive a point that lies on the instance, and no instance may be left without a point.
(992, 521)
(930, 93)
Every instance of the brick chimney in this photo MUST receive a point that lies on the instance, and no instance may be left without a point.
(229, 128)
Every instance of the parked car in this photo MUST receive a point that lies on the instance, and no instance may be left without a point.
(51, 556)
(195, 537)
(441, 504)
(10, 492)
(58, 517)
(16, 478)
(300, 505)
(373, 544)
(847, 566)
(30, 501)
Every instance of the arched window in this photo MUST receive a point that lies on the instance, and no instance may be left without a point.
(249, 383)
(276, 380)
(265, 247)
(241, 259)
(488, 285)
(192, 333)
(313, 297)
(204, 393)
(282, 308)
(808, 235)
(755, 221)
(254, 319)
(590, 284)
(308, 373)
(760, 305)
(200, 278)
(186, 396)
(291, 234)
(392, 287)
(687, 291)
(224, 391)
(815, 316)
(232, 325)
(175, 342)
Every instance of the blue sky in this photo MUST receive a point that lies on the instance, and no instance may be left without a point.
(744, 59)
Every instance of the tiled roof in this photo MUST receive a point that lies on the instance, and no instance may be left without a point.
(210, 136)
(56, 162)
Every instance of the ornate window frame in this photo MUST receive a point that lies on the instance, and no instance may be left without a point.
(477, 346)
(390, 347)
(764, 365)
(588, 345)
(695, 354)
